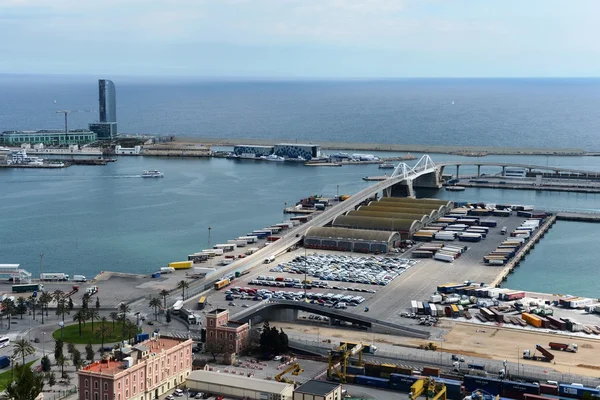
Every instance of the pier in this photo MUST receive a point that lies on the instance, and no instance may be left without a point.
(512, 264)
(580, 217)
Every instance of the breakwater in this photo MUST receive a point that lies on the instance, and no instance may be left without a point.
(395, 147)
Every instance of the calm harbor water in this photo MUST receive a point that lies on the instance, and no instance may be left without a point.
(91, 219)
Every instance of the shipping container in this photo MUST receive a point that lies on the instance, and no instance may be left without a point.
(512, 296)
(576, 392)
(402, 383)
(527, 396)
(490, 385)
(429, 371)
(551, 389)
(449, 287)
(532, 319)
(381, 383)
(444, 257)
(181, 264)
(517, 390)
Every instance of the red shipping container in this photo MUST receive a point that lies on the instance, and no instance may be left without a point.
(548, 389)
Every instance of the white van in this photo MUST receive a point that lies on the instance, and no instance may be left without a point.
(269, 260)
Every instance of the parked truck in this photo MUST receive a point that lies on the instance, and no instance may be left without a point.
(367, 348)
(571, 348)
(33, 287)
(545, 356)
(79, 278)
(54, 276)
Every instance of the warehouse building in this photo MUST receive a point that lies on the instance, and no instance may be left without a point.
(252, 151)
(404, 227)
(318, 390)
(237, 386)
(47, 137)
(295, 150)
(358, 240)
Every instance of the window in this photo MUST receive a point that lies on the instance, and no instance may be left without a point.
(105, 386)
(220, 335)
(211, 322)
(119, 385)
(230, 347)
(134, 378)
(126, 393)
(87, 395)
(126, 381)
(96, 385)
(85, 383)
(230, 336)
(211, 334)
(96, 396)
(134, 390)
(105, 396)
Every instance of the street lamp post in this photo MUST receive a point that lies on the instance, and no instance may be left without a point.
(41, 264)
(43, 343)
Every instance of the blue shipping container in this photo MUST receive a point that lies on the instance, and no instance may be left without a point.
(402, 383)
(453, 388)
(372, 381)
(490, 385)
(576, 392)
(516, 389)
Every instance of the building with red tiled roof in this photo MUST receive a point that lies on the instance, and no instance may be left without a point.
(141, 372)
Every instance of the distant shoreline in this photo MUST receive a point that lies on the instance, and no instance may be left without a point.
(458, 150)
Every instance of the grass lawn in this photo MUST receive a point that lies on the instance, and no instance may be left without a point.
(6, 376)
(71, 334)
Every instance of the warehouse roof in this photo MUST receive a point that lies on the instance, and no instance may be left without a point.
(382, 224)
(237, 381)
(344, 233)
(317, 388)
(399, 213)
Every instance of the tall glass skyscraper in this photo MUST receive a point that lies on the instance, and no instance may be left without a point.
(106, 127)
(108, 100)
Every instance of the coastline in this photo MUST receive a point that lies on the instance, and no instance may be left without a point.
(464, 150)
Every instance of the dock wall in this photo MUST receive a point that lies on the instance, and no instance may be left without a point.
(530, 187)
(523, 251)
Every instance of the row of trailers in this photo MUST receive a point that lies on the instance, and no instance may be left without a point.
(509, 247)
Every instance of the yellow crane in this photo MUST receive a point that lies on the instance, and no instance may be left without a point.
(295, 369)
(427, 386)
(338, 360)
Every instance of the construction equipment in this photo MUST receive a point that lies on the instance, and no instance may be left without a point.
(67, 112)
(338, 359)
(295, 369)
(546, 355)
(428, 387)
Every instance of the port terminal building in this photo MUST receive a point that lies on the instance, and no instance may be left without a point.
(239, 387)
(286, 150)
(344, 239)
(49, 137)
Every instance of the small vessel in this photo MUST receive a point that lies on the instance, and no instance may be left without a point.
(153, 173)
(273, 157)
(387, 165)
(455, 188)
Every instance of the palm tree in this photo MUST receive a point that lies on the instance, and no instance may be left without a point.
(45, 299)
(155, 302)
(58, 294)
(114, 316)
(80, 317)
(8, 306)
(62, 308)
(93, 314)
(33, 302)
(131, 330)
(182, 285)
(21, 307)
(123, 310)
(103, 330)
(164, 293)
(85, 300)
(61, 361)
(22, 348)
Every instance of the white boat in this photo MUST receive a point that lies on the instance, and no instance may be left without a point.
(153, 173)
(273, 157)
(387, 166)
(455, 188)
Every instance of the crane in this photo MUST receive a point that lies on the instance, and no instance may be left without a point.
(428, 387)
(338, 360)
(66, 113)
(295, 369)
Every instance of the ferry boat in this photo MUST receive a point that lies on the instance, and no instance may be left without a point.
(275, 158)
(387, 166)
(153, 173)
(455, 188)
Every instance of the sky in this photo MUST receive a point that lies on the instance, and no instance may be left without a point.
(301, 38)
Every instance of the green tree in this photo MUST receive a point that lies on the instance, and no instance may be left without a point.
(97, 303)
(76, 358)
(114, 316)
(9, 308)
(71, 305)
(32, 303)
(123, 310)
(103, 330)
(80, 317)
(70, 348)
(155, 303)
(59, 346)
(51, 379)
(183, 285)
(164, 293)
(62, 308)
(85, 299)
(22, 348)
(27, 385)
(131, 330)
(93, 315)
(168, 317)
(45, 299)
(21, 306)
(61, 361)
(215, 347)
(46, 364)
(89, 352)
(58, 294)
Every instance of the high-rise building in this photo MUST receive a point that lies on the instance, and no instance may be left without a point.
(106, 128)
